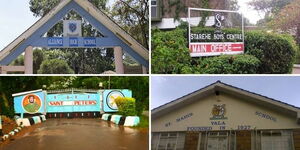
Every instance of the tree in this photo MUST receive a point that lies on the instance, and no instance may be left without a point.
(288, 19)
(81, 60)
(55, 66)
(268, 7)
(133, 16)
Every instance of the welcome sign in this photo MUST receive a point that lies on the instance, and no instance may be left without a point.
(214, 38)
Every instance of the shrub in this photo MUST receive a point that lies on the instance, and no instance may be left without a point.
(126, 106)
(55, 66)
(276, 52)
(229, 64)
(169, 51)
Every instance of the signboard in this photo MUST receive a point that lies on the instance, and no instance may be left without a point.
(30, 103)
(205, 43)
(72, 28)
(110, 96)
(73, 102)
(39, 102)
(72, 42)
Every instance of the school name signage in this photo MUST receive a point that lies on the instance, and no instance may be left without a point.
(72, 42)
(218, 42)
(73, 103)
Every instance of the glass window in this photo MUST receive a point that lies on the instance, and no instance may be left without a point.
(217, 141)
(154, 8)
(168, 141)
(276, 140)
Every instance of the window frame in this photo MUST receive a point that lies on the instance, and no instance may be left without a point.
(158, 16)
(168, 139)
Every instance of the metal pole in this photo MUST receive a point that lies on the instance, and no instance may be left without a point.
(243, 32)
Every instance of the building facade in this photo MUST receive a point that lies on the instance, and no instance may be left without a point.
(163, 12)
(223, 117)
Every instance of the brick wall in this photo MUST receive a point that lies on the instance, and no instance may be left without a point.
(243, 140)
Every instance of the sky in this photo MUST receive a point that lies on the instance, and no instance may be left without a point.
(283, 88)
(16, 17)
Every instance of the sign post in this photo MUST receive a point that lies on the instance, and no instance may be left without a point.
(1, 133)
(214, 41)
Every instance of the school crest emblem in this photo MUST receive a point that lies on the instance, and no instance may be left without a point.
(72, 27)
(218, 112)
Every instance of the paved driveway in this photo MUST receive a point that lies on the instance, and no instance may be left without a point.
(80, 134)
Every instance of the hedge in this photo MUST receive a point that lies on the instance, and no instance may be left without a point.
(274, 53)
(170, 53)
(126, 106)
(229, 64)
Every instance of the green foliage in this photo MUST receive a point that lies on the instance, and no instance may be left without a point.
(229, 64)
(270, 53)
(126, 106)
(138, 85)
(276, 52)
(170, 53)
(55, 66)
(144, 122)
(133, 16)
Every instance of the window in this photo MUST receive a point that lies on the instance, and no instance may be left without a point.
(276, 140)
(217, 141)
(168, 141)
(154, 9)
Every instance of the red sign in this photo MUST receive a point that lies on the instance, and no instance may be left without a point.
(213, 49)
(72, 103)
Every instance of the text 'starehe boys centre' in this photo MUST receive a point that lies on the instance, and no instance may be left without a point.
(220, 117)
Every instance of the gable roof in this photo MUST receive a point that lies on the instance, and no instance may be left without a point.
(226, 88)
(95, 13)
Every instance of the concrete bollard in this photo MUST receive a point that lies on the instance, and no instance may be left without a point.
(116, 119)
(11, 133)
(106, 116)
(4, 137)
(16, 130)
(132, 121)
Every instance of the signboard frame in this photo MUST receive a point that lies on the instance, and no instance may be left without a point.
(215, 53)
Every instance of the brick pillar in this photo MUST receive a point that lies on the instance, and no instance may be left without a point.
(118, 54)
(296, 138)
(243, 140)
(28, 60)
(191, 140)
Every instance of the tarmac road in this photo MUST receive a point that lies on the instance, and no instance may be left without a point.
(80, 134)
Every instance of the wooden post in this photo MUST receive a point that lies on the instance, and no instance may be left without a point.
(28, 60)
(144, 69)
(118, 54)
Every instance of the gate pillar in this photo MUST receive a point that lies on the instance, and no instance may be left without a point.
(28, 60)
(118, 54)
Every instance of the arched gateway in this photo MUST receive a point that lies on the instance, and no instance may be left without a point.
(113, 37)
